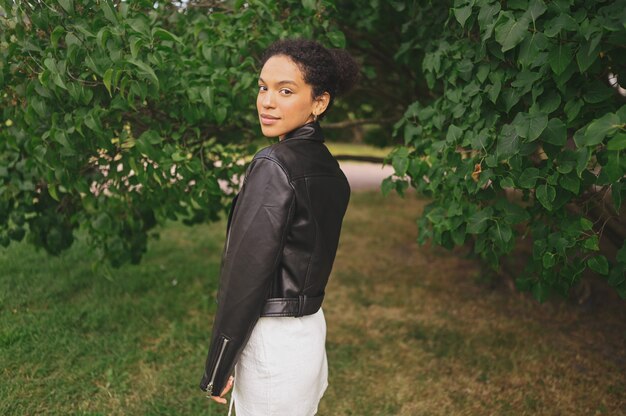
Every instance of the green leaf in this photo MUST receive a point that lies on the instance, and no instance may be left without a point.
(529, 177)
(494, 91)
(135, 45)
(571, 183)
(598, 264)
(109, 11)
(530, 126)
(102, 223)
(146, 70)
(508, 142)
(598, 92)
(587, 54)
(481, 74)
(462, 13)
(220, 115)
(510, 96)
(548, 260)
(550, 102)
(165, 35)
(531, 48)
(400, 161)
(560, 57)
(536, 8)
(598, 129)
(151, 137)
(387, 185)
(52, 190)
(107, 80)
(510, 33)
(582, 159)
(507, 183)
(501, 232)
(454, 134)
(555, 132)
(618, 142)
(90, 121)
(102, 36)
(178, 156)
(572, 108)
(621, 113)
(309, 4)
(55, 35)
(525, 79)
(68, 5)
(208, 97)
(511, 212)
(556, 25)
(592, 243)
(486, 13)
(477, 222)
(139, 25)
(586, 224)
(337, 39)
(612, 170)
(546, 194)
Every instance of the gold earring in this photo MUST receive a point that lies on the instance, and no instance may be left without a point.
(314, 117)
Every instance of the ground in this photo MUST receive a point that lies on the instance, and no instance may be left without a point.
(412, 330)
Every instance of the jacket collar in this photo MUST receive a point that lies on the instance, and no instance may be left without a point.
(312, 131)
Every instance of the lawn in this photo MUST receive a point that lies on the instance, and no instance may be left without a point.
(411, 330)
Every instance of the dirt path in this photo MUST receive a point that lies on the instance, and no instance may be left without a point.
(362, 176)
(365, 176)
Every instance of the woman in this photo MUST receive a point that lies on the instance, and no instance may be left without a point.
(282, 236)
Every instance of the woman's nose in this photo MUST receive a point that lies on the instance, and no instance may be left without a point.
(268, 100)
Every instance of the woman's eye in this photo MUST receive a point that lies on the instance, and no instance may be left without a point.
(285, 91)
(262, 88)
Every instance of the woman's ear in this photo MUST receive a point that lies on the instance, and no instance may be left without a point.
(320, 103)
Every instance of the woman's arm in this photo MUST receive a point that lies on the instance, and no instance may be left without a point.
(251, 256)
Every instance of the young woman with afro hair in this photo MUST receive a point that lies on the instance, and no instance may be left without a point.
(269, 332)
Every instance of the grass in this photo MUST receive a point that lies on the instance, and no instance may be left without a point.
(411, 331)
(357, 149)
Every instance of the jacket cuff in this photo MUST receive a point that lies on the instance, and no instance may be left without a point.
(218, 366)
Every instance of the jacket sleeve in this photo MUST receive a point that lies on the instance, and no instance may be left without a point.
(251, 256)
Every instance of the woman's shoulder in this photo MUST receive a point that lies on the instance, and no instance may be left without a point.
(276, 152)
(269, 155)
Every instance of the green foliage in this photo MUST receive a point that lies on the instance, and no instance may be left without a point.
(381, 35)
(117, 116)
(523, 122)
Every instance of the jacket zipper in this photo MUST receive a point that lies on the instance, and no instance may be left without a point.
(230, 223)
(227, 239)
(217, 364)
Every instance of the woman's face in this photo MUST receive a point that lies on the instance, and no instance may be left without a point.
(285, 101)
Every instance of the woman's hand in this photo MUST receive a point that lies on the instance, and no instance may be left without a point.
(220, 398)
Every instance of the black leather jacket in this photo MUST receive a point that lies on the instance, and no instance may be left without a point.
(282, 236)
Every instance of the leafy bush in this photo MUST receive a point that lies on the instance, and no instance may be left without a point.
(524, 124)
(115, 117)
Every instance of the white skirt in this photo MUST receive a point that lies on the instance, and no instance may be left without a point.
(283, 369)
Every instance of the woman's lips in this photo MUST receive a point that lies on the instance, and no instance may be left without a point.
(268, 120)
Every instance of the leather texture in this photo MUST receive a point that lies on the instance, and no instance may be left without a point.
(282, 235)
